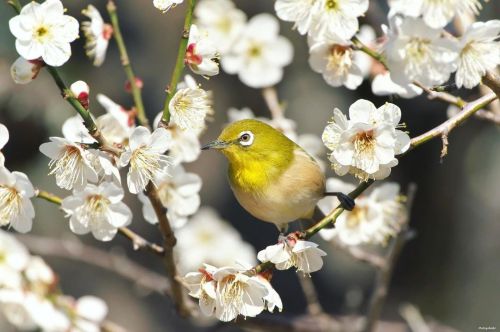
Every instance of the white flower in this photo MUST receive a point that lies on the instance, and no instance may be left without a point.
(38, 272)
(382, 85)
(145, 154)
(69, 162)
(16, 208)
(416, 52)
(375, 218)
(4, 138)
(201, 285)
(14, 258)
(480, 52)
(90, 312)
(365, 145)
(97, 34)
(337, 63)
(14, 306)
(201, 55)
(303, 255)
(238, 294)
(165, 5)
(74, 130)
(118, 123)
(301, 12)
(259, 54)
(178, 193)
(24, 71)
(190, 106)
(222, 21)
(336, 19)
(436, 13)
(97, 209)
(206, 238)
(272, 299)
(46, 315)
(42, 30)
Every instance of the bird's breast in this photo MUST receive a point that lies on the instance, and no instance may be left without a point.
(280, 197)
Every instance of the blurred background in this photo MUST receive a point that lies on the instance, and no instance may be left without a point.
(450, 270)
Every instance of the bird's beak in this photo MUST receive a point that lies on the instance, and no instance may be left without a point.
(215, 145)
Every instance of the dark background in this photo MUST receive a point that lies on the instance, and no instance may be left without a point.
(450, 270)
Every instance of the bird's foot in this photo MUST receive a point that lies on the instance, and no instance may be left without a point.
(346, 202)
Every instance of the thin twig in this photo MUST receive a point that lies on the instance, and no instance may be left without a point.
(138, 242)
(271, 98)
(446, 97)
(169, 242)
(179, 63)
(384, 275)
(77, 251)
(127, 66)
(492, 81)
(313, 305)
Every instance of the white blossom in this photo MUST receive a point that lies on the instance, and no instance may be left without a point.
(272, 299)
(336, 19)
(14, 306)
(38, 272)
(238, 294)
(436, 14)
(97, 209)
(24, 71)
(117, 124)
(145, 154)
(190, 106)
(16, 208)
(97, 35)
(382, 85)
(206, 238)
(165, 5)
(178, 193)
(303, 255)
(81, 91)
(480, 52)
(201, 285)
(376, 217)
(416, 52)
(14, 259)
(42, 30)
(302, 12)
(90, 312)
(69, 162)
(221, 20)
(201, 54)
(4, 138)
(365, 145)
(74, 130)
(259, 54)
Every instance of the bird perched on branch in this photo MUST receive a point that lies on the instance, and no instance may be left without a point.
(273, 178)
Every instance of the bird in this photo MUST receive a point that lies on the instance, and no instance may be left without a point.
(272, 177)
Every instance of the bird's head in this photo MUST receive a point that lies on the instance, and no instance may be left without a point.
(248, 141)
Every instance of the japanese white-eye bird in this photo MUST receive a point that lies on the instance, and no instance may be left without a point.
(272, 177)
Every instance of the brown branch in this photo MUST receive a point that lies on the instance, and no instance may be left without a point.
(271, 98)
(169, 241)
(384, 275)
(446, 97)
(138, 242)
(313, 305)
(77, 251)
(492, 81)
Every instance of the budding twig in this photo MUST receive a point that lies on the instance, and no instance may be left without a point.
(138, 241)
(179, 63)
(136, 91)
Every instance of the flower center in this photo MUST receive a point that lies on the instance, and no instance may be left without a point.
(339, 59)
(41, 33)
(364, 142)
(10, 204)
(418, 49)
(254, 51)
(94, 210)
(68, 167)
(146, 164)
(356, 217)
(183, 104)
(232, 292)
(224, 24)
(331, 5)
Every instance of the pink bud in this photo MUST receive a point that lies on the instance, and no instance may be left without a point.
(138, 82)
(191, 56)
(24, 71)
(81, 91)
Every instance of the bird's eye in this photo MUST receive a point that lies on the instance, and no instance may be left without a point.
(246, 138)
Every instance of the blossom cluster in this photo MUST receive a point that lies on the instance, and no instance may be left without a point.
(30, 298)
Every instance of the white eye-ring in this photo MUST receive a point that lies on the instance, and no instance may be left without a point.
(246, 138)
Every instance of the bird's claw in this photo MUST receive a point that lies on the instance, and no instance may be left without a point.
(346, 202)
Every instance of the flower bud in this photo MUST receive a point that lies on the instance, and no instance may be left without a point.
(138, 82)
(81, 91)
(24, 71)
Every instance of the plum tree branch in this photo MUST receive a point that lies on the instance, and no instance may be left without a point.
(127, 66)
